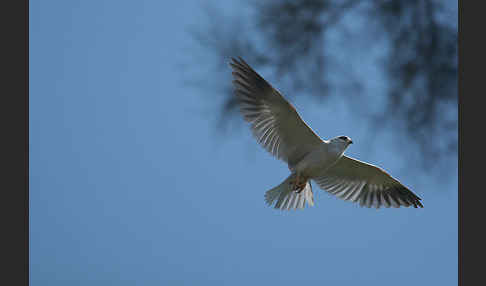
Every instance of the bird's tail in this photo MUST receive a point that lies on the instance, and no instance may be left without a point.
(287, 198)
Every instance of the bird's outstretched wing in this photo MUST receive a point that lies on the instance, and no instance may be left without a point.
(357, 181)
(274, 121)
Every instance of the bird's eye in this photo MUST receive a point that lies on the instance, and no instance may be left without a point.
(343, 138)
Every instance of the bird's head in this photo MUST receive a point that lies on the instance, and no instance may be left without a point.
(341, 141)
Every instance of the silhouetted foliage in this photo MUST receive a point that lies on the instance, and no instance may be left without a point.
(420, 63)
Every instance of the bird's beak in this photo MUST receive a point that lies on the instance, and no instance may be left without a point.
(350, 141)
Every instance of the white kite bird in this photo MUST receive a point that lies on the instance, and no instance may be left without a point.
(279, 129)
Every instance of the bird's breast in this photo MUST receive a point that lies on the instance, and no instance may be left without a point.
(317, 161)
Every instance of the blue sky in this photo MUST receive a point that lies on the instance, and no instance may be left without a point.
(130, 185)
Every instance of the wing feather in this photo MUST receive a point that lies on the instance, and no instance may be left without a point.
(366, 184)
(274, 121)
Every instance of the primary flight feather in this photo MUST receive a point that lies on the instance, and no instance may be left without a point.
(277, 126)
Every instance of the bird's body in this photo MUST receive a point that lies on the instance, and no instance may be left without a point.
(318, 160)
(279, 129)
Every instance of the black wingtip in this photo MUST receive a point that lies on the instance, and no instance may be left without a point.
(239, 61)
(236, 61)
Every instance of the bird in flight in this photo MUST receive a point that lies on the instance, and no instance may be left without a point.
(277, 126)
